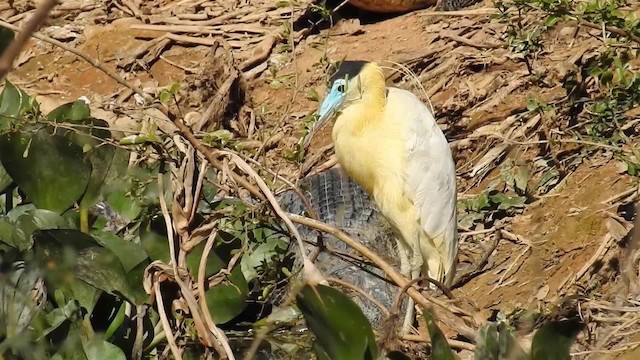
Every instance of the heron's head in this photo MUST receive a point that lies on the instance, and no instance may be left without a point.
(351, 81)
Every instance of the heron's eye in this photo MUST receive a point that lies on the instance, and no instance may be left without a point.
(341, 88)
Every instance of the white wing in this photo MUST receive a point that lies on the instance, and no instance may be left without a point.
(431, 184)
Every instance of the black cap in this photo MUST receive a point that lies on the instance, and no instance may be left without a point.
(348, 68)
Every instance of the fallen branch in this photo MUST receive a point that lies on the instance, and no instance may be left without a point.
(611, 29)
(184, 130)
(425, 301)
(468, 42)
(12, 52)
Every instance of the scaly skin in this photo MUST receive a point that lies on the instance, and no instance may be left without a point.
(393, 6)
(340, 202)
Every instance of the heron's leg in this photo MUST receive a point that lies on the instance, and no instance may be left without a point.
(403, 254)
(405, 270)
(415, 267)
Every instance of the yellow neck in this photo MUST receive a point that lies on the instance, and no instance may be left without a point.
(374, 88)
(356, 133)
(368, 105)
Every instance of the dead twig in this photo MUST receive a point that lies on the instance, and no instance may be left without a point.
(361, 292)
(606, 242)
(311, 274)
(12, 52)
(455, 344)
(611, 29)
(216, 105)
(201, 293)
(97, 64)
(479, 268)
(425, 301)
(468, 42)
(166, 326)
(261, 52)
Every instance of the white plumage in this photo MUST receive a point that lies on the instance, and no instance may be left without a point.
(390, 144)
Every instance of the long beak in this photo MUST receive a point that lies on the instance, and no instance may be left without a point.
(328, 108)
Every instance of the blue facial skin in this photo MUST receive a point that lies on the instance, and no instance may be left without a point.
(330, 104)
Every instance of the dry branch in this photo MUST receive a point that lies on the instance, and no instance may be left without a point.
(468, 42)
(425, 301)
(11, 53)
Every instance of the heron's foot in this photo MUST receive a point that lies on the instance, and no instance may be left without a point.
(416, 263)
(405, 264)
(409, 317)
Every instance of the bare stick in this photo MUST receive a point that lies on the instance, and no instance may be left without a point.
(184, 130)
(311, 274)
(361, 292)
(423, 300)
(468, 42)
(203, 303)
(12, 52)
(209, 336)
(112, 74)
(166, 326)
(456, 344)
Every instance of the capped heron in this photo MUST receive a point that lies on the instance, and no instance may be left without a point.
(388, 142)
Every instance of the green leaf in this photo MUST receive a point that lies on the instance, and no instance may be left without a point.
(5, 179)
(93, 139)
(550, 21)
(86, 295)
(342, 331)
(487, 343)
(262, 254)
(71, 348)
(6, 231)
(509, 347)
(218, 138)
(165, 96)
(102, 269)
(154, 239)
(32, 220)
(124, 204)
(553, 340)
(506, 202)
(102, 350)
(481, 202)
(130, 254)
(55, 318)
(14, 104)
(6, 37)
(440, 349)
(140, 139)
(18, 307)
(135, 278)
(209, 187)
(175, 87)
(312, 95)
(71, 112)
(532, 104)
(78, 252)
(522, 178)
(47, 168)
(227, 299)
